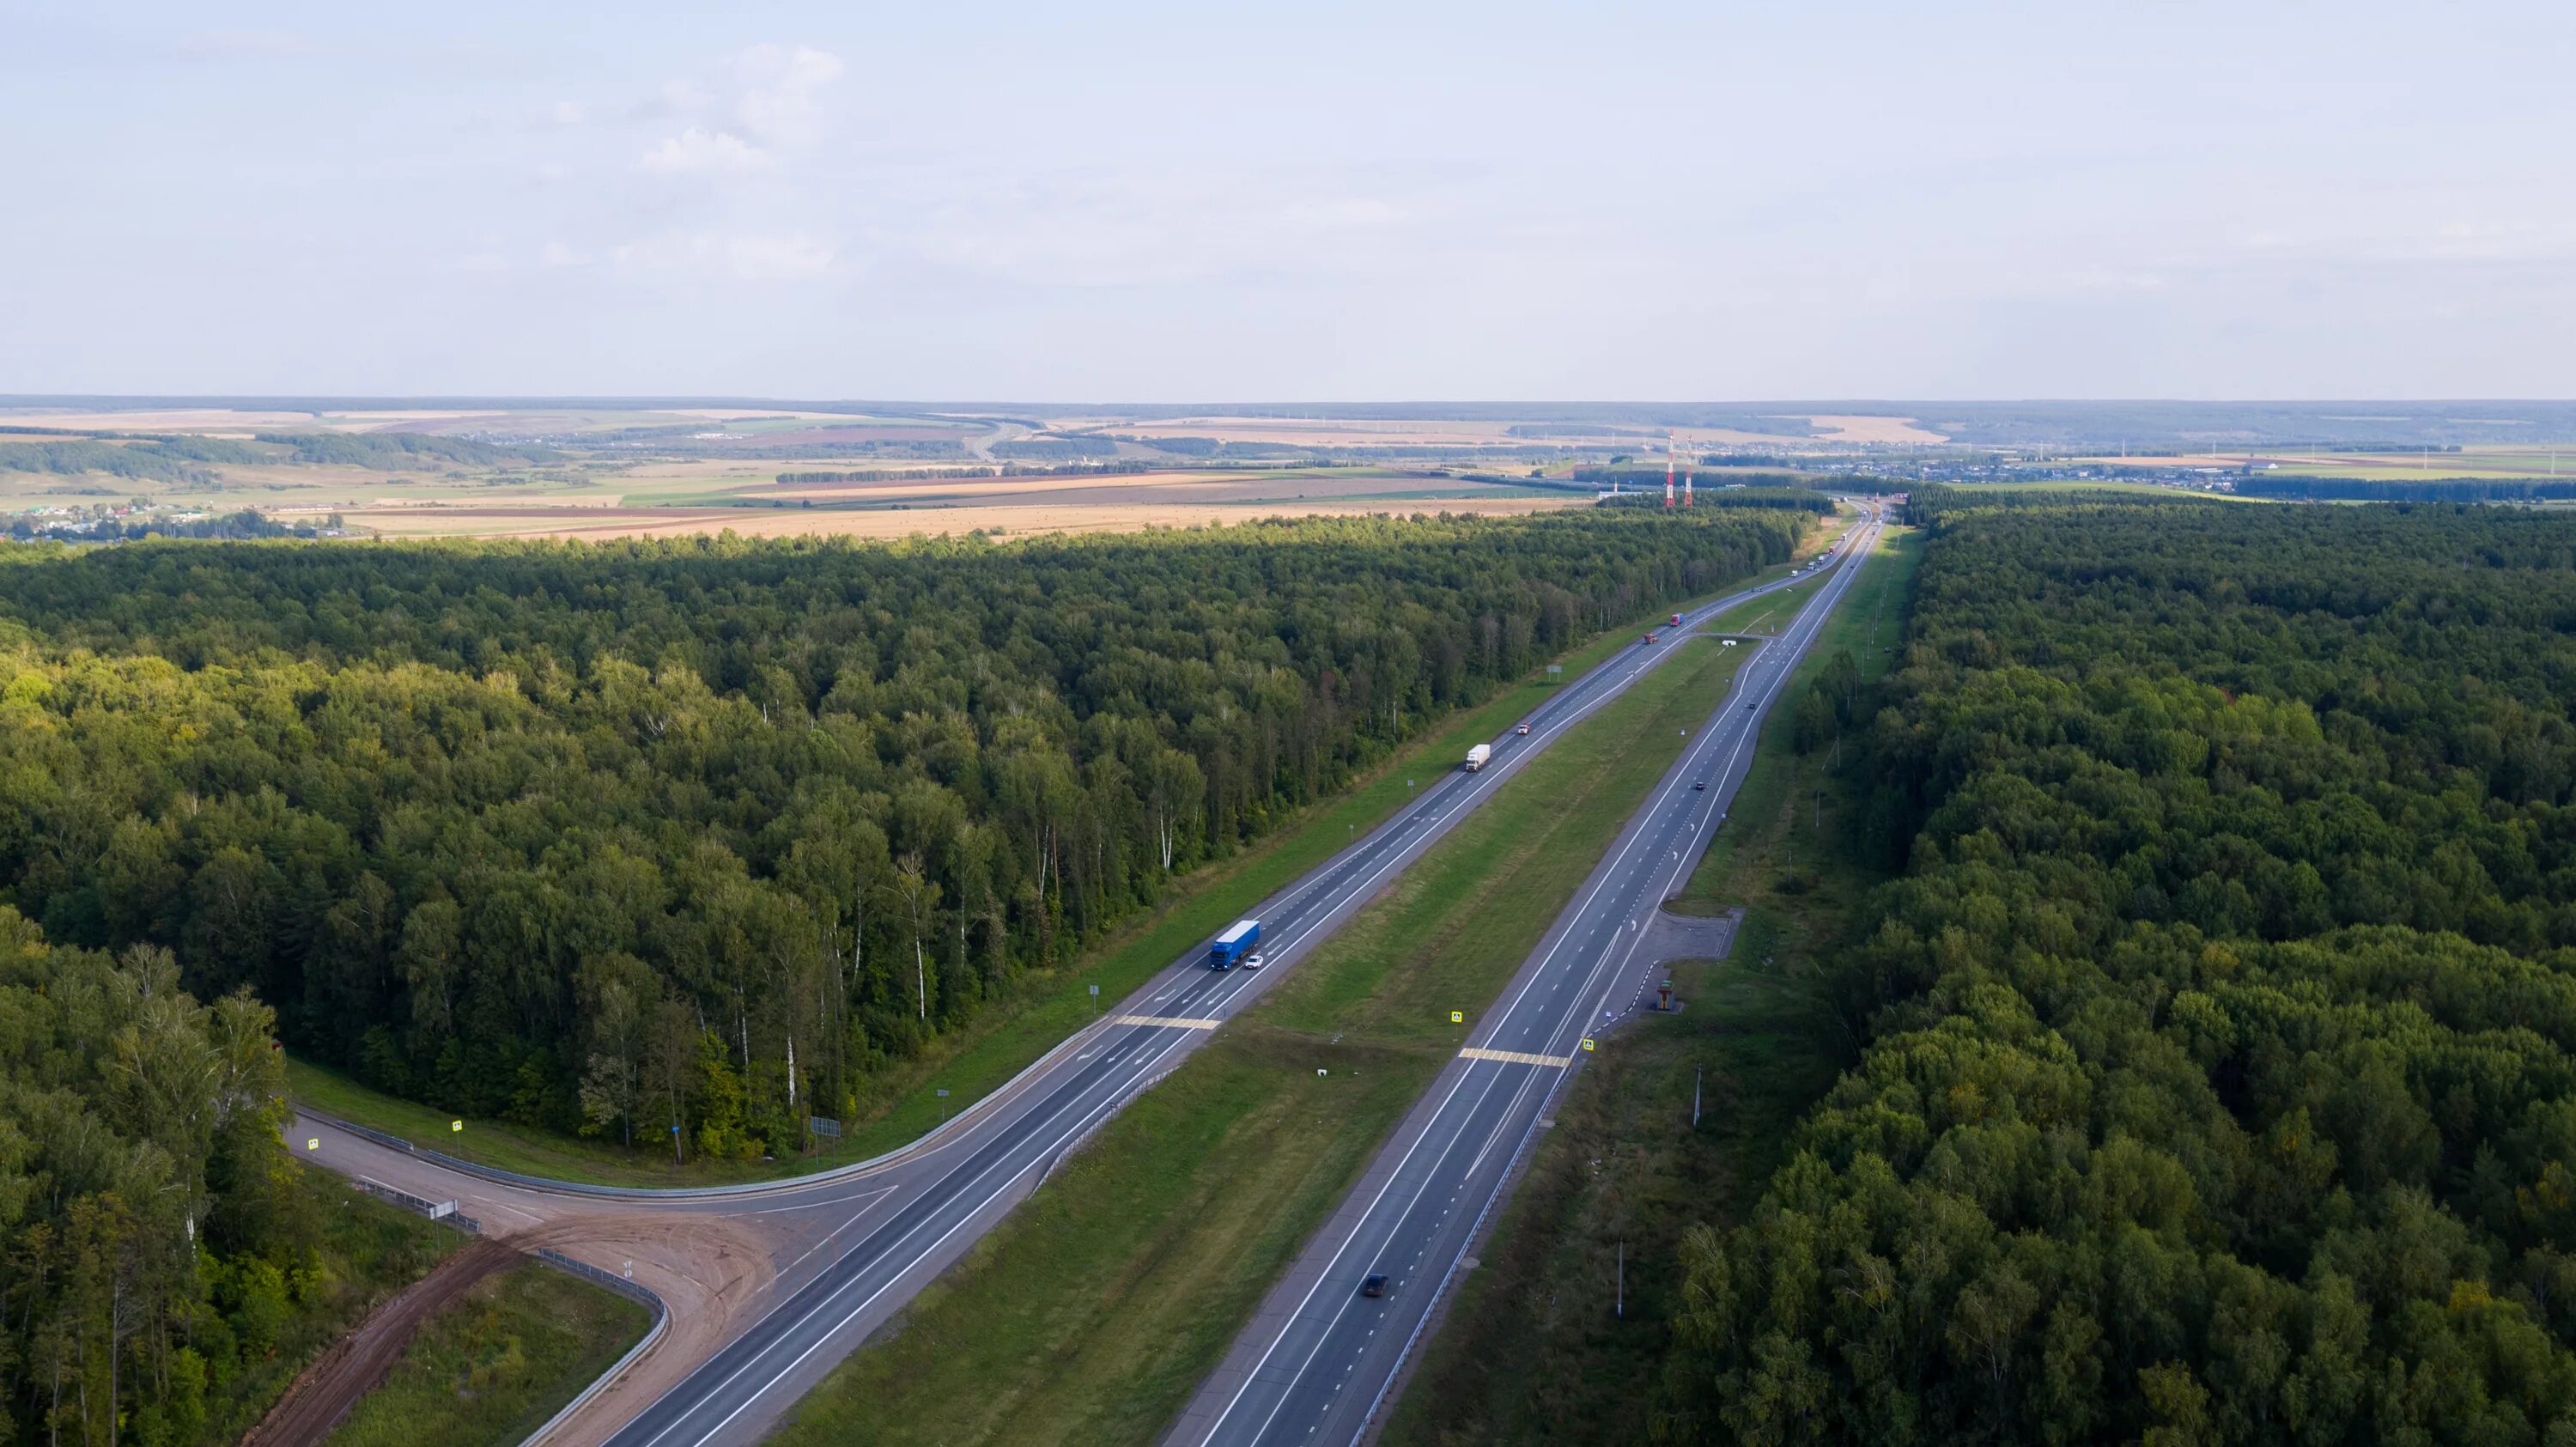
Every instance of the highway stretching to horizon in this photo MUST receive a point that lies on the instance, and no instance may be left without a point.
(1319, 1359)
(873, 1234)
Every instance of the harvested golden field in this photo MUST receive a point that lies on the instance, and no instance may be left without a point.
(1010, 520)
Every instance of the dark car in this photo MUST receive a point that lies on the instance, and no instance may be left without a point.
(1374, 1286)
(1699, 783)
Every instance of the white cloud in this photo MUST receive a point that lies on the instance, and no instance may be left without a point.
(702, 152)
(743, 257)
(567, 113)
(778, 98)
(557, 253)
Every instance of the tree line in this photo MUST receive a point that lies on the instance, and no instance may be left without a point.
(2220, 1075)
(154, 1250)
(604, 837)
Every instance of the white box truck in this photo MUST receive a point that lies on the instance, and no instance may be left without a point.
(1476, 756)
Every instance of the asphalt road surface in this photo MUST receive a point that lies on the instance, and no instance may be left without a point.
(841, 1252)
(1319, 1357)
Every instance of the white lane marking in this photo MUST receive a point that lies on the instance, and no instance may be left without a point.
(1385, 834)
(834, 1234)
(1616, 870)
(1114, 1098)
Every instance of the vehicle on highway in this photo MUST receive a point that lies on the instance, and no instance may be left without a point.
(1477, 756)
(1524, 728)
(1374, 1286)
(1677, 620)
(1252, 961)
(1234, 944)
(1649, 638)
(1699, 784)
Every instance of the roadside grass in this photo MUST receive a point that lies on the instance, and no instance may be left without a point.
(1569, 1316)
(1091, 1313)
(365, 1251)
(1041, 1009)
(494, 1365)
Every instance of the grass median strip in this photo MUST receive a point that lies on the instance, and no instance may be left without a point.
(1041, 1010)
(1092, 1312)
(1534, 1340)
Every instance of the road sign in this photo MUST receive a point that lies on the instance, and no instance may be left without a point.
(1457, 1017)
(313, 1143)
(1587, 1042)
(456, 1125)
(824, 1125)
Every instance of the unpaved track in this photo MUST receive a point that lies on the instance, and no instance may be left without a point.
(325, 1391)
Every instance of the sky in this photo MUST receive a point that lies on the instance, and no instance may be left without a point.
(1179, 203)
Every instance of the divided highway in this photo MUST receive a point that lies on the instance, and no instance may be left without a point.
(849, 1247)
(954, 1193)
(1320, 1356)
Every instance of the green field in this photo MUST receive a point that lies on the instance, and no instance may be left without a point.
(1008, 1035)
(492, 1367)
(1092, 1312)
(1536, 1339)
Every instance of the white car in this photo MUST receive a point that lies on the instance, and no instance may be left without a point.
(1252, 961)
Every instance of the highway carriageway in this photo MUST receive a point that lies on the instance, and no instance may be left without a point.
(793, 1275)
(1319, 1360)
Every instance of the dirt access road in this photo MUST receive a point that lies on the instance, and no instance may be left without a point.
(324, 1392)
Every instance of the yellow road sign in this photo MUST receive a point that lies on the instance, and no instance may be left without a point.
(1457, 1017)
(313, 1143)
(1587, 1042)
(456, 1125)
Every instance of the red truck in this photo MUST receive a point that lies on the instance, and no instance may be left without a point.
(1649, 638)
(1677, 620)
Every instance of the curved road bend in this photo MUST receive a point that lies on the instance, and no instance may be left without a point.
(1318, 1359)
(845, 1249)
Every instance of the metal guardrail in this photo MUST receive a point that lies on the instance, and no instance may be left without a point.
(641, 1295)
(435, 1210)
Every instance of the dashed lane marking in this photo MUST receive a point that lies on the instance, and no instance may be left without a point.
(1175, 1022)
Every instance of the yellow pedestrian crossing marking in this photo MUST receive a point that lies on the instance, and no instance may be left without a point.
(1172, 1020)
(1516, 1057)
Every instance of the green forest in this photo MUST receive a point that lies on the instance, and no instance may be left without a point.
(603, 837)
(2219, 1080)
(163, 1268)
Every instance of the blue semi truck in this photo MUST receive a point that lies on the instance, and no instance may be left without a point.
(1235, 945)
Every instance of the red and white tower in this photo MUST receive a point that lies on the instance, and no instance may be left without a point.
(1668, 469)
(1686, 487)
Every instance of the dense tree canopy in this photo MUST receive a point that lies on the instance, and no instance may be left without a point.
(151, 1244)
(2221, 1076)
(603, 835)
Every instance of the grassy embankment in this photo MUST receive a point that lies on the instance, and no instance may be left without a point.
(1093, 1311)
(494, 1365)
(1533, 1342)
(1012, 1032)
(363, 1251)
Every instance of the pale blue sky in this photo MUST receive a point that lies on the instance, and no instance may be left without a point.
(1192, 202)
